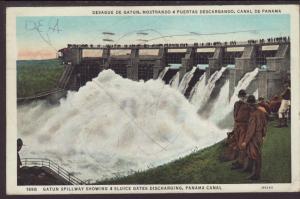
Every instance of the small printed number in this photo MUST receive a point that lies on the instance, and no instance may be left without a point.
(267, 187)
(31, 188)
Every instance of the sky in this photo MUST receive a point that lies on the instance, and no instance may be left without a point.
(42, 37)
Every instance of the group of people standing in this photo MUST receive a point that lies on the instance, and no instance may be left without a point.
(278, 107)
(250, 126)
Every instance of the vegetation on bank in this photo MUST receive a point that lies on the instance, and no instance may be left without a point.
(204, 167)
(35, 76)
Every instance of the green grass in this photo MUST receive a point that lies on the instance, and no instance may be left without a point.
(204, 167)
(34, 76)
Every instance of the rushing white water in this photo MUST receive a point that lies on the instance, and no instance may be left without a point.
(243, 84)
(223, 106)
(255, 93)
(185, 80)
(202, 93)
(174, 82)
(200, 85)
(114, 126)
(163, 72)
(221, 102)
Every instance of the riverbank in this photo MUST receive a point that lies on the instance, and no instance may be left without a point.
(204, 167)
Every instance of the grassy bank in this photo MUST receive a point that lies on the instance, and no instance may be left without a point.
(204, 167)
(34, 76)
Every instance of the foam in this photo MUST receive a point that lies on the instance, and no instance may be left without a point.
(114, 126)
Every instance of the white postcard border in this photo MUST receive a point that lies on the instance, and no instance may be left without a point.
(11, 156)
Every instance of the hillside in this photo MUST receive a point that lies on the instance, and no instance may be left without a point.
(34, 76)
(204, 167)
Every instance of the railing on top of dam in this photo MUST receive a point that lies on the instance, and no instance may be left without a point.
(44, 162)
(275, 41)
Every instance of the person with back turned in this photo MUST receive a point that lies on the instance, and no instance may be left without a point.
(241, 113)
(275, 105)
(19, 163)
(255, 135)
(285, 103)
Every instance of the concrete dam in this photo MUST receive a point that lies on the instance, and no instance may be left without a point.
(186, 109)
(143, 62)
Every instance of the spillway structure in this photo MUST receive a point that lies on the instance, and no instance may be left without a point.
(143, 62)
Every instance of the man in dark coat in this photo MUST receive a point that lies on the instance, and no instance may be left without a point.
(241, 113)
(255, 135)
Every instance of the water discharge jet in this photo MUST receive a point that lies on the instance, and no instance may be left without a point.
(185, 80)
(97, 131)
(223, 106)
(202, 93)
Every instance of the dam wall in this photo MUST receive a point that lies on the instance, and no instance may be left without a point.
(144, 62)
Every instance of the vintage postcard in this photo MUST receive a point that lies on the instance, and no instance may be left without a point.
(152, 99)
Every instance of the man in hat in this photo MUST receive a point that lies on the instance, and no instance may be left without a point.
(241, 113)
(255, 135)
